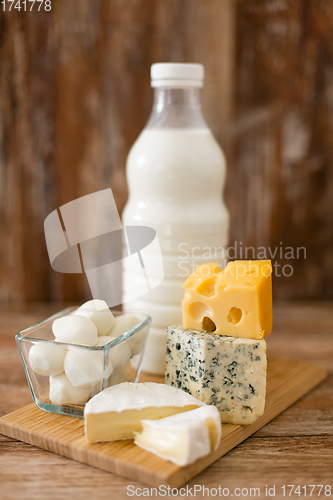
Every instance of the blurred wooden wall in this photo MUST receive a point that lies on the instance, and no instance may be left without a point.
(281, 183)
(74, 95)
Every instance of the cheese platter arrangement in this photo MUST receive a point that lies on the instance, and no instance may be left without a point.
(219, 388)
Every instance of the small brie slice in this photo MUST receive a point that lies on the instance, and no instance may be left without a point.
(116, 412)
(182, 438)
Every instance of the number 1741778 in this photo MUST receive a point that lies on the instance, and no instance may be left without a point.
(26, 5)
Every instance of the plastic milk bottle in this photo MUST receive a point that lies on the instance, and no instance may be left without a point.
(175, 173)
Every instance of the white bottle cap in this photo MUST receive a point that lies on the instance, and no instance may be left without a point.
(176, 75)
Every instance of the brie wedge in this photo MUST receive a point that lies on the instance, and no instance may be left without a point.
(182, 438)
(116, 412)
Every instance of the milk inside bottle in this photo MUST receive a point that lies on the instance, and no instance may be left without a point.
(175, 174)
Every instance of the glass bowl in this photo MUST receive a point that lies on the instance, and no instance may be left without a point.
(92, 368)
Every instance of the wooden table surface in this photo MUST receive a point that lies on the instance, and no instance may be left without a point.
(296, 448)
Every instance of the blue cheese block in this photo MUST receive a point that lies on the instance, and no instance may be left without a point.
(227, 372)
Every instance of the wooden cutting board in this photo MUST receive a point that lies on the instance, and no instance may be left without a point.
(287, 381)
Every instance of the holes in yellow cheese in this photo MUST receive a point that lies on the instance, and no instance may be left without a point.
(207, 288)
(208, 325)
(197, 310)
(235, 315)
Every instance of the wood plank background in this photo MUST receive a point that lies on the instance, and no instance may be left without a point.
(74, 95)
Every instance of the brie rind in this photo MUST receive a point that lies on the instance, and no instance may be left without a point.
(116, 412)
(182, 438)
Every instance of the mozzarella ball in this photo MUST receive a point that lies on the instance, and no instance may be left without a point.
(118, 378)
(103, 340)
(120, 355)
(137, 341)
(84, 368)
(99, 313)
(62, 392)
(96, 388)
(47, 359)
(123, 324)
(75, 330)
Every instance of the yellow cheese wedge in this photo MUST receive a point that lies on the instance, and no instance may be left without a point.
(236, 301)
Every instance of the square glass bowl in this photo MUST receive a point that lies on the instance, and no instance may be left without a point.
(91, 369)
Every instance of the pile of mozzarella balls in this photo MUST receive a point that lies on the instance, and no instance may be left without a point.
(75, 373)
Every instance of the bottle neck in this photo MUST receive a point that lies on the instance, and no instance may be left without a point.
(176, 108)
